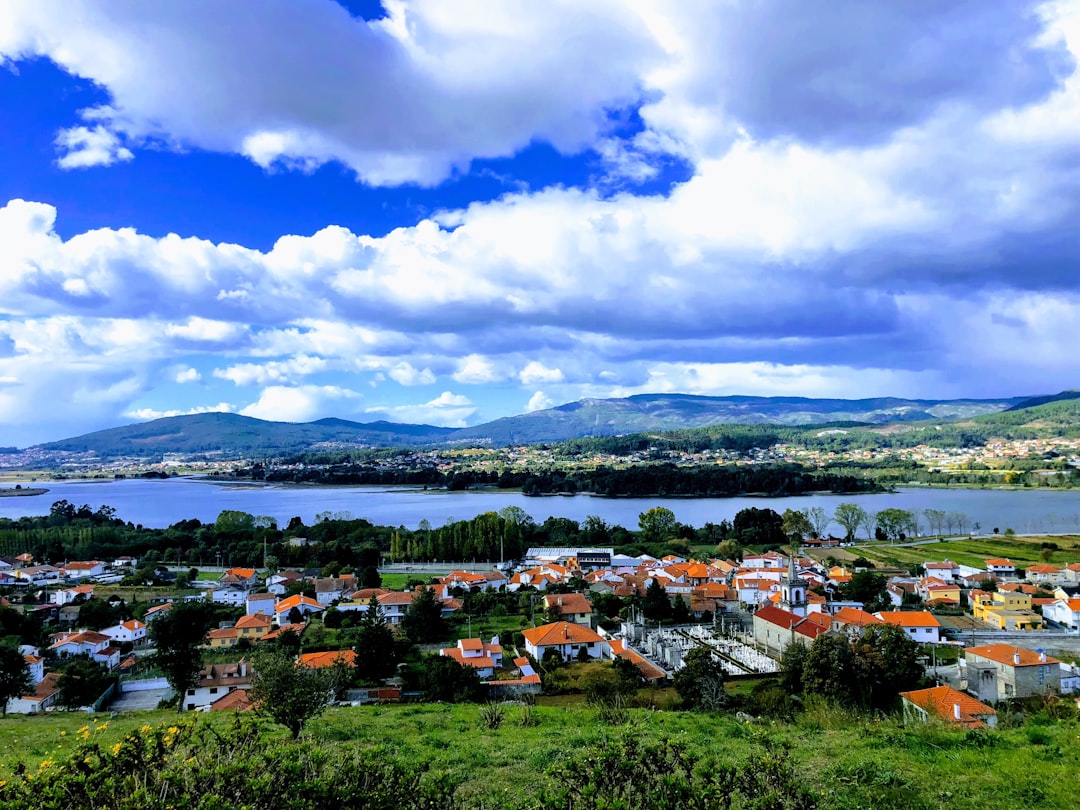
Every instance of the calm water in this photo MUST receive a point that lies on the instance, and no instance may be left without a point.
(161, 503)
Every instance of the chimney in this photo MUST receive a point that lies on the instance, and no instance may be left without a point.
(1042, 656)
(559, 601)
(956, 711)
(1016, 658)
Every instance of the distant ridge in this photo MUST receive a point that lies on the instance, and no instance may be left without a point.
(231, 435)
(1034, 402)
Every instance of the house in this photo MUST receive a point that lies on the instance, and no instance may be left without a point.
(484, 657)
(253, 626)
(1005, 610)
(237, 700)
(776, 628)
(279, 582)
(234, 586)
(920, 625)
(650, 672)
(65, 596)
(215, 681)
(221, 638)
(571, 607)
(321, 660)
(132, 631)
(946, 703)
(156, 611)
(852, 620)
(1045, 574)
(1000, 567)
(42, 699)
(946, 570)
(263, 603)
(996, 671)
(37, 574)
(333, 589)
(567, 639)
(81, 569)
(300, 603)
(125, 562)
(95, 646)
(1065, 612)
(394, 605)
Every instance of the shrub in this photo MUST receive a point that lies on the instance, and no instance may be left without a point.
(492, 715)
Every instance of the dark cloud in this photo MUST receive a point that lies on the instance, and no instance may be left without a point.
(852, 71)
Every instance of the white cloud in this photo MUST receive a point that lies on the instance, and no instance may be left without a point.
(187, 375)
(82, 147)
(275, 371)
(202, 330)
(302, 403)
(446, 410)
(536, 373)
(145, 414)
(476, 370)
(404, 373)
(539, 401)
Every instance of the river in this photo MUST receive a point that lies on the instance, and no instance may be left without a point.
(160, 503)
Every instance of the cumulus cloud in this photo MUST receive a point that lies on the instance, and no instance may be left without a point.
(446, 410)
(187, 375)
(404, 373)
(144, 414)
(275, 371)
(81, 147)
(302, 403)
(539, 401)
(536, 372)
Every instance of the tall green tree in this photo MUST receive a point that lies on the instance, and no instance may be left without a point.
(177, 638)
(376, 648)
(870, 589)
(14, 676)
(756, 527)
(829, 668)
(849, 516)
(289, 694)
(83, 682)
(796, 525)
(656, 605)
(423, 622)
(658, 524)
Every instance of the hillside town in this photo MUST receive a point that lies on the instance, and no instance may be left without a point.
(982, 631)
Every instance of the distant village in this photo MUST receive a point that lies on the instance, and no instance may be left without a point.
(746, 612)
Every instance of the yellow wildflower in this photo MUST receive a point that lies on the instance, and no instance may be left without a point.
(63, 733)
(173, 730)
(146, 729)
(116, 749)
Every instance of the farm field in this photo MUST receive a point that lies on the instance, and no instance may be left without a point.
(1022, 550)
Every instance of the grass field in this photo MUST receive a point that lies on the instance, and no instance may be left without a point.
(974, 551)
(853, 762)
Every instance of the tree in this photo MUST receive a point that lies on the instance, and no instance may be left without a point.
(370, 577)
(178, 637)
(658, 524)
(935, 519)
(819, 520)
(700, 681)
(870, 589)
(758, 527)
(680, 611)
(423, 622)
(887, 660)
(656, 605)
(376, 649)
(829, 668)
(290, 694)
(796, 525)
(445, 679)
(895, 522)
(15, 677)
(849, 516)
(82, 683)
(95, 614)
(792, 664)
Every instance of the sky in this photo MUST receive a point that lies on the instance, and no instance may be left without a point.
(448, 211)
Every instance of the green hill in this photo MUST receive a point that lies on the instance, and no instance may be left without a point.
(232, 435)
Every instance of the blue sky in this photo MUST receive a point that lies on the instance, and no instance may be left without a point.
(445, 211)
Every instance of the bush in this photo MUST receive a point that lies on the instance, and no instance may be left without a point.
(492, 715)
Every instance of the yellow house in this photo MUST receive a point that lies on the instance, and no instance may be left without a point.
(221, 639)
(253, 626)
(1005, 619)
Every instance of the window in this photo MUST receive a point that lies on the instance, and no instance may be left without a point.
(213, 690)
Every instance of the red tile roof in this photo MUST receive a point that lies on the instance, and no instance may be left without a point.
(942, 702)
(560, 633)
(1006, 654)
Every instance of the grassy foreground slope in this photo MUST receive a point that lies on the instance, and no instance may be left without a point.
(846, 762)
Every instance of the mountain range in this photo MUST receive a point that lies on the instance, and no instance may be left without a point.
(231, 435)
